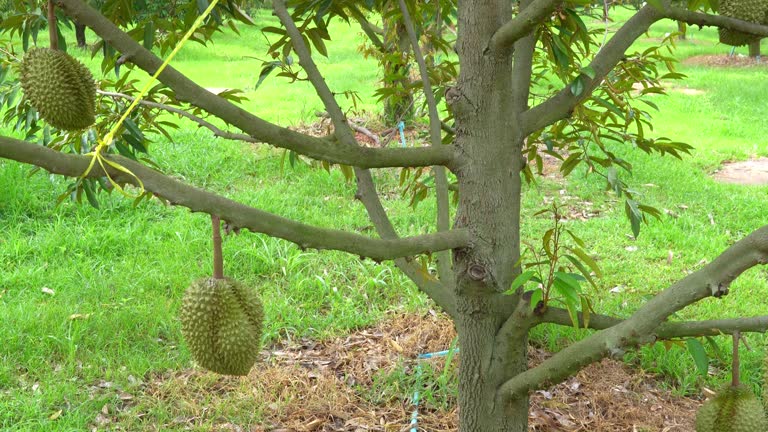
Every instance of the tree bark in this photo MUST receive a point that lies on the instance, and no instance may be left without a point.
(482, 370)
(489, 146)
(754, 48)
(80, 35)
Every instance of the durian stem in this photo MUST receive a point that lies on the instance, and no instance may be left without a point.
(53, 33)
(218, 259)
(735, 380)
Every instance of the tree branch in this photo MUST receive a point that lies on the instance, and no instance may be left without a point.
(667, 330)
(712, 280)
(561, 105)
(188, 91)
(708, 20)
(436, 290)
(444, 265)
(202, 122)
(522, 24)
(366, 188)
(369, 29)
(238, 215)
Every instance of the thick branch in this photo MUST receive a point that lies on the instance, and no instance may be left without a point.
(444, 266)
(366, 188)
(562, 103)
(369, 29)
(313, 74)
(713, 279)
(436, 290)
(238, 215)
(708, 20)
(667, 330)
(521, 25)
(258, 128)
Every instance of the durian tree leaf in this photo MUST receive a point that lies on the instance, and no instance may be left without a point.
(520, 280)
(61, 40)
(90, 194)
(149, 34)
(699, 354)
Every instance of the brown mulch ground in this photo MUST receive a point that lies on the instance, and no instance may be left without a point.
(725, 60)
(310, 386)
(750, 172)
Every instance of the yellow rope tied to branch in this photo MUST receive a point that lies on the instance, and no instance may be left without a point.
(106, 141)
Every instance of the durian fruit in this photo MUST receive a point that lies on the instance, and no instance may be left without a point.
(755, 11)
(59, 87)
(734, 409)
(222, 321)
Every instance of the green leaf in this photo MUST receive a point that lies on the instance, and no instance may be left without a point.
(521, 280)
(656, 4)
(569, 280)
(317, 41)
(699, 355)
(577, 86)
(149, 34)
(536, 296)
(586, 259)
(90, 194)
(634, 215)
(588, 71)
(575, 238)
(573, 312)
(586, 310)
(579, 265)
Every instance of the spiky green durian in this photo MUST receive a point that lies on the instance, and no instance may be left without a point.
(734, 409)
(59, 87)
(755, 11)
(222, 321)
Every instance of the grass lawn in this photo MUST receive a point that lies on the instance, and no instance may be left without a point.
(88, 297)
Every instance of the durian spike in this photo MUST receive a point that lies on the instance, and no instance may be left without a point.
(735, 379)
(53, 33)
(218, 257)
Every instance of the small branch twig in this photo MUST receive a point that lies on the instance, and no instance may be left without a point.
(218, 256)
(186, 114)
(735, 372)
(444, 266)
(521, 25)
(53, 32)
(373, 33)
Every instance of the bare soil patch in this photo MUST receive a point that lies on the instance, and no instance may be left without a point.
(751, 172)
(320, 386)
(725, 60)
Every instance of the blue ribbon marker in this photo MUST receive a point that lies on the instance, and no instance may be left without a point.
(401, 128)
(415, 414)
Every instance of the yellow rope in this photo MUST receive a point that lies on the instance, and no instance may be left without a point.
(110, 136)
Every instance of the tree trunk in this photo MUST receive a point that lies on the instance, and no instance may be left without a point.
(490, 181)
(80, 35)
(754, 49)
(482, 371)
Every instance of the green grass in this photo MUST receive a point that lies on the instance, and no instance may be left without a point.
(123, 269)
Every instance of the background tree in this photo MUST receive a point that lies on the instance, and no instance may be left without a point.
(533, 79)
